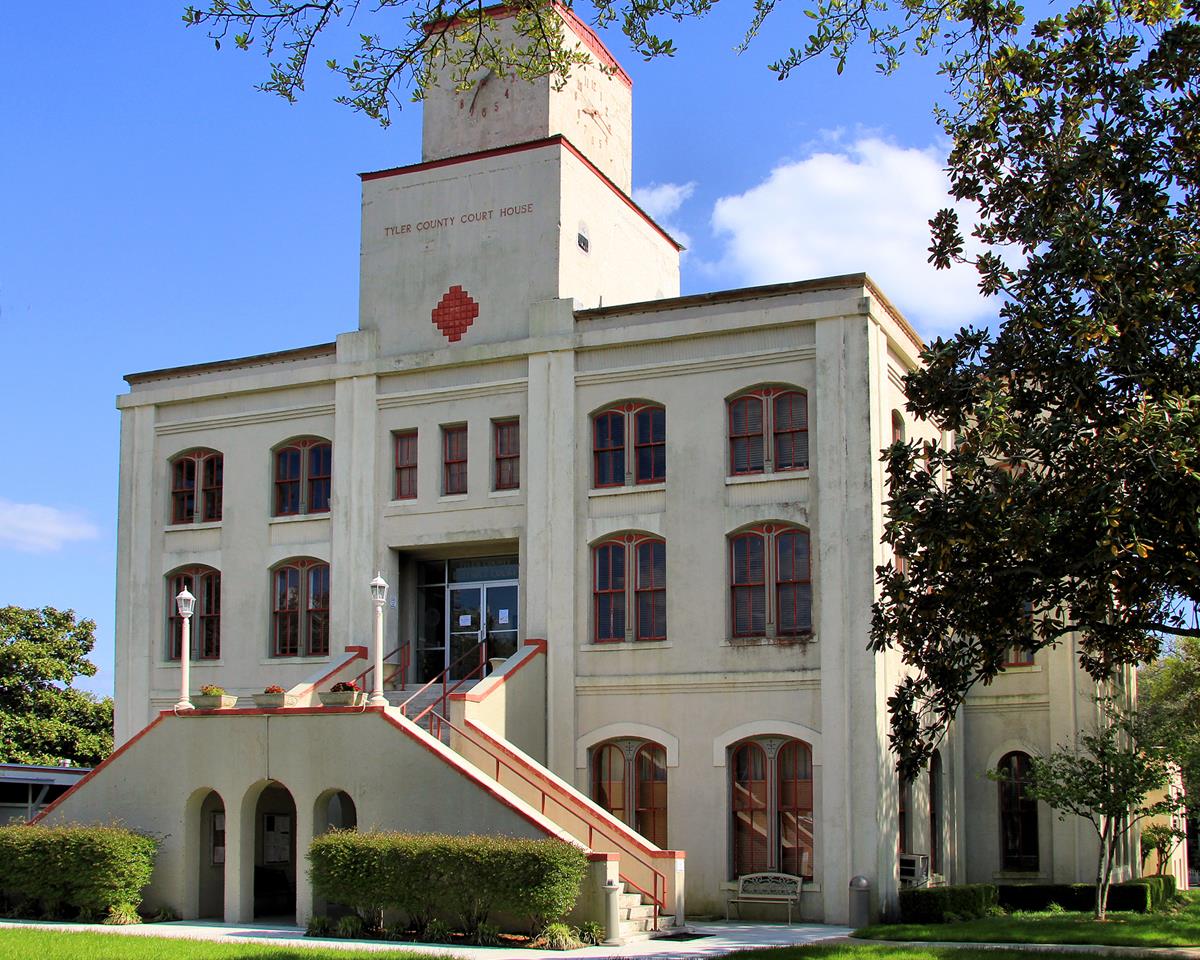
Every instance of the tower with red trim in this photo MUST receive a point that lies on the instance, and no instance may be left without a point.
(521, 197)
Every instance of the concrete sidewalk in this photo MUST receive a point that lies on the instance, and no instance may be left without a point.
(712, 939)
(1103, 949)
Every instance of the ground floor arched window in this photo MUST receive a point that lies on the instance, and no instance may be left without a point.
(771, 807)
(1018, 814)
(629, 780)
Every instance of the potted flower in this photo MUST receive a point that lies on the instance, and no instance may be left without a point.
(274, 696)
(344, 694)
(212, 697)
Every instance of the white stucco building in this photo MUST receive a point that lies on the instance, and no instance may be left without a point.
(662, 512)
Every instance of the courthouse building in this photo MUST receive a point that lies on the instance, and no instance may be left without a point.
(652, 520)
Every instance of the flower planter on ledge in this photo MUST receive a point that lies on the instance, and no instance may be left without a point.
(222, 701)
(273, 701)
(342, 698)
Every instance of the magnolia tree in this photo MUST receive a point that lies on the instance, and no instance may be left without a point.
(1108, 780)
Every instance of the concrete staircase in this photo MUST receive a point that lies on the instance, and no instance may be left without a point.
(418, 702)
(637, 918)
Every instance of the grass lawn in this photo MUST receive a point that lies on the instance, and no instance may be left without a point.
(56, 945)
(1179, 927)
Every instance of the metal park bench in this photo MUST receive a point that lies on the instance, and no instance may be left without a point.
(781, 888)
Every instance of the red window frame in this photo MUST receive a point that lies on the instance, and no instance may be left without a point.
(610, 451)
(650, 793)
(406, 465)
(196, 479)
(204, 583)
(608, 779)
(608, 592)
(903, 809)
(794, 808)
(454, 460)
(753, 445)
(788, 573)
(506, 444)
(1019, 847)
(629, 580)
(897, 427)
(303, 481)
(634, 444)
(749, 809)
(300, 608)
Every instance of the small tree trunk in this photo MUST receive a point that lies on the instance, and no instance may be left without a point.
(1102, 872)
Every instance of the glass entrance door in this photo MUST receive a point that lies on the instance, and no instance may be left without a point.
(465, 626)
(500, 608)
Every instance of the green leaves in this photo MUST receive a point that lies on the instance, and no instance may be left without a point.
(43, 719)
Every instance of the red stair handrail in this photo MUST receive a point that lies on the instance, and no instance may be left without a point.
(405, 651)
(443, 678)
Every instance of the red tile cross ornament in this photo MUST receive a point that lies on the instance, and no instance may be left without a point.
(454, 313)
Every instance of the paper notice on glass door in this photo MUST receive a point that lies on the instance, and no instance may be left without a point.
(464, 620)
(502, 616)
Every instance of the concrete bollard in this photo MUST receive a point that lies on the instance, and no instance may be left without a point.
(860, 902)
(612, 912)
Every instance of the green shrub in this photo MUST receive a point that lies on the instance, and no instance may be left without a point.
(97, 871)
(591, 932)
(558, 936)
(488, 935)
(424, 875)
(350, 927)
(319, 925)
(436, 931)
(966, 901)
(122, 915)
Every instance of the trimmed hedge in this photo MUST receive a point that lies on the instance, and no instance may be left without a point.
(1142, 895)
(91, 871)
(966, 901)
(429, 875)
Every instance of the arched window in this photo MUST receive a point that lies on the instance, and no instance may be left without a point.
(1018, 815)
(795, 816)
(897, 427)
(768, 430)
(629, 573)
(935, 813)
(750, 810)
(300, 609)
(629, 445)
(770, 582)
(630, 777)
(196, 483)
(903, 817)
(204, 583)
(303, 477)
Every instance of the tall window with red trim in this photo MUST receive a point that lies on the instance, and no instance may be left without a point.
(629, 780)
(629, 572)
(406, 465)
(300, 609)
(751, 841)
(771, 806)
(903, 812)
(202, 468)
(204, 583)
(770, 582)
(795, 809)
(629, 445)
(1018, 814)
(768, 431)
(303, 477)
(454, 460)
(506, 444)
(935, 812)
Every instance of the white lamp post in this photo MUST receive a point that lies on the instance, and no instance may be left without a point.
(185, 603)
(379, 589)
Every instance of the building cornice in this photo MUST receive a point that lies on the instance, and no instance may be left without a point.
(240, 363)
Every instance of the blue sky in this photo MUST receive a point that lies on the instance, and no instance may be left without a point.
(155, 210)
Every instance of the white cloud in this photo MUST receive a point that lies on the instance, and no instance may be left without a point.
(34, 528)
(861, 207)
(662, 201)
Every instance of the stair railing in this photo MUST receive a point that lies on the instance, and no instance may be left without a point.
(657, 895)
(405, 651)
(477, 653)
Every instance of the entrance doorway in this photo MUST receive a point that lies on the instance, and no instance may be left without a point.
(463, 604)
(275, 853)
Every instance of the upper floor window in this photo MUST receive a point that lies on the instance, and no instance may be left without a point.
(506, 446)
(1018, 814)
(629, 445)
(203, 583)
(629, 572)
(454, 460)
(300, 608)
(629, 780)
(768, 431)
(770, 582)
(772, 807)
(303, 477)
(897, 427)
(196, 482)
(406, 465)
